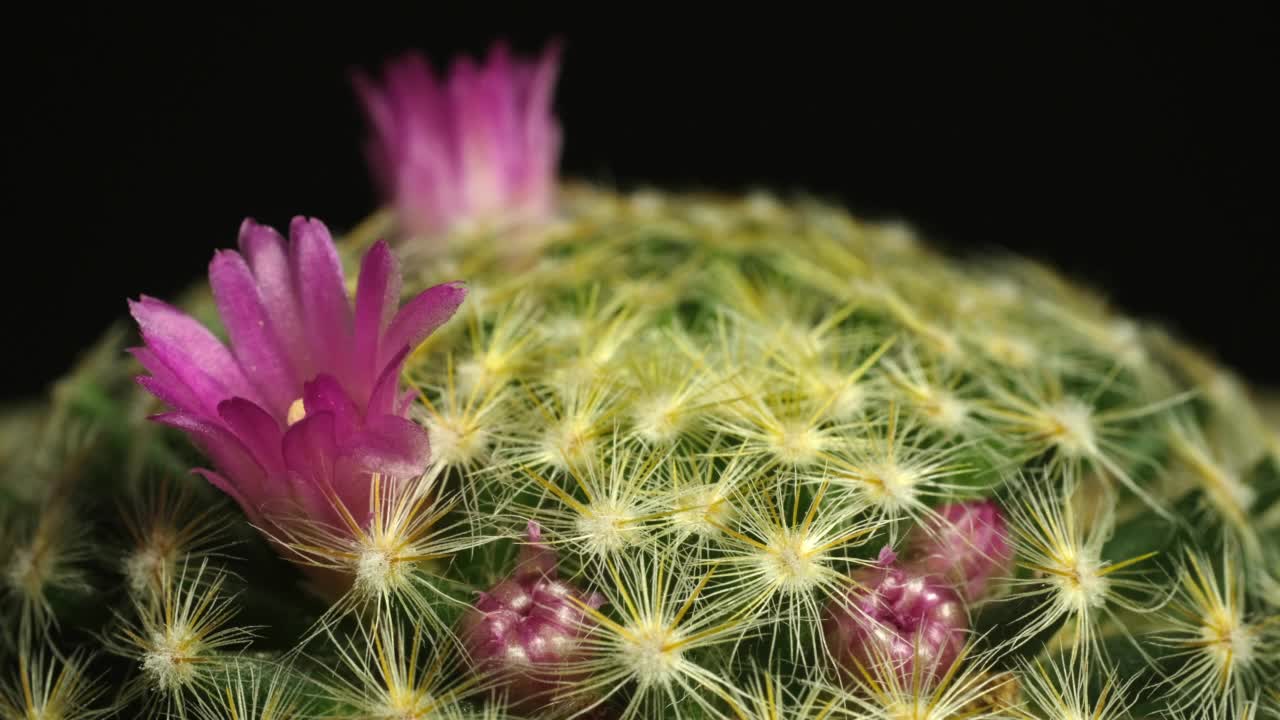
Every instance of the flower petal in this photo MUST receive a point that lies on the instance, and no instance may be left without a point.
(311, 453)
(230, 457)
(253, 338)
(326, 314)
(383, 400)
(542, 140)
(310, 448)
(377, 298)
(267, 255)
(257, 430)
(393, 446)
(420, 317)
(479, 98)
(165, 384)
(325, 395)
(191, 352)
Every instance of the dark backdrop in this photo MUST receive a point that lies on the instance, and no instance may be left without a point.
(1137, 151)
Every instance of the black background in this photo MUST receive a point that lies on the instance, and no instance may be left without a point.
(1137, 151)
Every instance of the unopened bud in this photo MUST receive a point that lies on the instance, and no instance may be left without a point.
(967, 543)
(527, 629)
(896, 620)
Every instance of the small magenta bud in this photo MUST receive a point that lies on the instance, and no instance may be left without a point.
(527, 629)
(898, 617)
(967, 543)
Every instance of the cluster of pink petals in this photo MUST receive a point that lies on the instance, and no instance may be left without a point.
(897, 620)
(480, 144)
(306, 402)
(527, 630)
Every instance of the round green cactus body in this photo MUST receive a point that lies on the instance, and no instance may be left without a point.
(691, 456)
(721, 408)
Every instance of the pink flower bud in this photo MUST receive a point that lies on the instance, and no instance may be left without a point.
(899, 617)
(967, 543)
(527, 630)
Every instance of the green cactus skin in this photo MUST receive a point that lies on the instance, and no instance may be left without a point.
(718, 409)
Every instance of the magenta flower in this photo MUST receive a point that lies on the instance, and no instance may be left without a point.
(527, 630)
(967, 543)
(897, 621)
(306, 403)
(481, 144)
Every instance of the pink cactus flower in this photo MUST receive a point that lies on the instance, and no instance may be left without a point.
(480, 145)
(306, 403)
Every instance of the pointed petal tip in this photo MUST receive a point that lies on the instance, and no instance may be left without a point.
(458, 291)
(453, 293)
(254, 234)
(249, 225)
(154, 315)
(223, 256)
(305, 225)
(379, 255)
(146, 304)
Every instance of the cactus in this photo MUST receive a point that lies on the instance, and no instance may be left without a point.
(522, 447)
